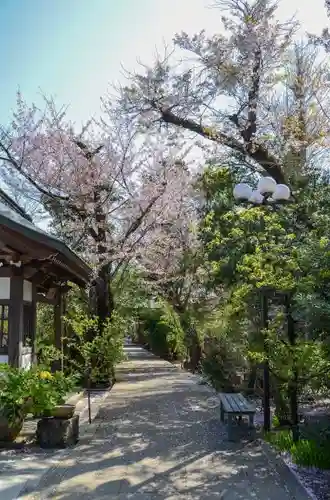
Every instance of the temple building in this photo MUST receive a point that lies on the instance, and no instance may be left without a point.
(34, 266)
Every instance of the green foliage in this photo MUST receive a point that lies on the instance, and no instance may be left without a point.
(34, 390)
(14, 392)
(76, 303)
(48, 354)
(305, 452)
(169, 323)
(131, 293)
(275, 421)
(45, 325)
(224, 348)
(284, 252)
(99, 351)
(163, 330)
(48, 390)
(218, 365)
(281, 440)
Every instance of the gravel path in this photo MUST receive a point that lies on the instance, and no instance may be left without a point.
(158, 436)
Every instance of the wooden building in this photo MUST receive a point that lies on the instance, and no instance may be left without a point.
(34, 266)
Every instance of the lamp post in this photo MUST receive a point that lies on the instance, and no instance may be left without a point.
(268, 192)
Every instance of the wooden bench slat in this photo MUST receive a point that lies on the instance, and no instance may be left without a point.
(235, 407)
(236, 403)
(247, 405)
(229, 403)
(226, 403)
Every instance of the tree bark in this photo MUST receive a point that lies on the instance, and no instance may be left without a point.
(282, 411)
(252, 377)
(102, 303)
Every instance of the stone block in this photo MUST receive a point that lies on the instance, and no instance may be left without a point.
(58, 432)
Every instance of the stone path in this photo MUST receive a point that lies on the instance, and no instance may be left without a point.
(158, 436)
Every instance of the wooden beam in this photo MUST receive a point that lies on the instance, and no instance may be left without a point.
(45, 300)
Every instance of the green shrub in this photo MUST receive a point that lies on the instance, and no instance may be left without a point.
(31, 391)
(305, 452)
(163, 331)
(309, 453)
(275, 421)
(219, 363)
(102, 352)
(47, 354)
(281, 440)
(14, 392)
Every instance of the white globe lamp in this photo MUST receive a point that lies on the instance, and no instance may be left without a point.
(256, 198)
(266, 185)
(281, 193)
(242, 191)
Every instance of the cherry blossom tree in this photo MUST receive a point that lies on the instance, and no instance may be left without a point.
(106, 188)
(222, 91)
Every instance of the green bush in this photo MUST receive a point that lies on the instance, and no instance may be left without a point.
(14, 392)
(219, 363)
(104, 349)
(31, 391)
(281, 440)
(163, 331)
(310, 453)
(305, 452)
(275, 421)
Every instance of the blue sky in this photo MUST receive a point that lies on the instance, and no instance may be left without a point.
(73, 49)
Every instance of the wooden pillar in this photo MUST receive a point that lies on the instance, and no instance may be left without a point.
(34, 323)
(64, 329)
(58, 325)
(15, 318)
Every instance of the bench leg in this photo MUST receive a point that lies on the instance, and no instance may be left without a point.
(222, 413)
(229, 427)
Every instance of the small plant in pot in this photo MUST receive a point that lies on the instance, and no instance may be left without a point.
(48, 394)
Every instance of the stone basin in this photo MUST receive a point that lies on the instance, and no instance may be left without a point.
(63, 411)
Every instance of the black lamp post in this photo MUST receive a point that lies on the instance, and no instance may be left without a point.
(268, 192)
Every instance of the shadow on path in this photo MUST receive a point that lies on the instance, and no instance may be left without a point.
(156, 437)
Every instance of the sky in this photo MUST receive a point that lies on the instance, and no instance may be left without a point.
(74, 49)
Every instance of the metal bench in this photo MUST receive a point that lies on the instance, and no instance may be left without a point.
(235, 406)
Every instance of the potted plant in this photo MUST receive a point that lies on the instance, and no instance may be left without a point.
(48, 394)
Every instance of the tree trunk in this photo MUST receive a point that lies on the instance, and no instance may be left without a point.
(101, 298)
(252, 378)
(105, 301)
(194, 349)
(282, 411)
